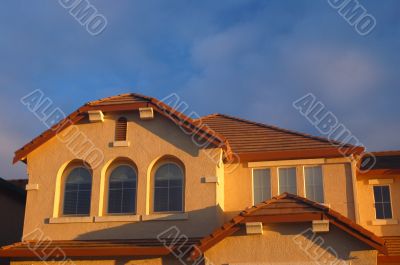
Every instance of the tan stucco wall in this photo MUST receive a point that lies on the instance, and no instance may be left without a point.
(285, 244)
(337, 181)
(149, 140)
(367, 209)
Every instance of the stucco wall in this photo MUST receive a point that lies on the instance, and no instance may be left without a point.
(337, 181)
(290, 244)
(367, 209)
(149, 140)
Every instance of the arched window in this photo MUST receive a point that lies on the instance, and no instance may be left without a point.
(120, 129)
(168, 188)
(122, 190)
(78, 189)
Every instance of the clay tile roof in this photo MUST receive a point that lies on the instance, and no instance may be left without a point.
(126, 102)
(289, 208)
(393, 250)
(247, 137)
(46, 250)
(127, 98)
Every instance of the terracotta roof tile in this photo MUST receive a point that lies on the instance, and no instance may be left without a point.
(125, 102)
(289, 208)
(95, 248)
(246, 136)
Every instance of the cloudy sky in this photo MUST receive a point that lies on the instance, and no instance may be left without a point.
(249, 58)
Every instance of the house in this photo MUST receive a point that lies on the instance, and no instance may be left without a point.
(129, 179)
(12, 207)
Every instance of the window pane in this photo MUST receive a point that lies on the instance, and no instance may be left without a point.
(313, 183)
(378, 193)
(287, 180)
(161, 199)
(114, 201)
(379, 211)
(385, 194)
(261, 185)
(168, 188)
(122, 190)
(77, 192)
(175, 199)
(129, 201)
(383, 207)
(387, 210)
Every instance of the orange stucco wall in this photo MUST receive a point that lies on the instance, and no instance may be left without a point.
(367, 210)
(291, 244)
(149, 140)
(337, 181)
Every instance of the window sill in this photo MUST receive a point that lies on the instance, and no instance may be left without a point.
(72, 219)
(165, 217)
(385, 222)
(121, 144)
(117, 218)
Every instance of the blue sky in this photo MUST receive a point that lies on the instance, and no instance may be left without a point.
(249, 58)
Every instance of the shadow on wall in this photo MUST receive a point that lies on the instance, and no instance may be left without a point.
(199, 223)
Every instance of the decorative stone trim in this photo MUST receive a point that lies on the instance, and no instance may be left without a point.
(385, 222)
(32, 187)
(380, 181)
(146, 113)
(319, 226)
(71, 219)
(96, 116)
(121, 144)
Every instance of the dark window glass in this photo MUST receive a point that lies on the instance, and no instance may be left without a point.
(383, 207)
(261, 185)
(78, 187)
(313, 182)
(168, 188)
(287, 180)
(122, 190)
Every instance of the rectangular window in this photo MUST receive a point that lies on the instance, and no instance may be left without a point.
(261, 185)
(313, 184)
(287, 180)
(383, 205)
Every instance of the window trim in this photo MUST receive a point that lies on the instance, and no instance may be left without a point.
(160, 163)
(391, 201)
(107, 189)
(322, 178)
(65, 175)
(297, 186)
(252, 181)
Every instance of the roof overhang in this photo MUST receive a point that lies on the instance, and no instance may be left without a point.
(315, 211)
(185, 122)
(302, 154)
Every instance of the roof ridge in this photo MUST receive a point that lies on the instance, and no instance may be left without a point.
(274, 127)
(93, 102)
